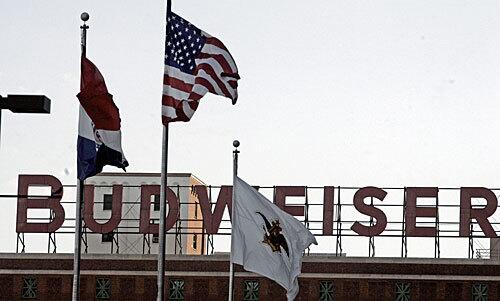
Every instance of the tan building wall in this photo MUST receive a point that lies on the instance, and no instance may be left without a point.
(196, 242)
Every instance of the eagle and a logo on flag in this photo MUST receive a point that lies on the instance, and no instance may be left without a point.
(265, 239)
(273, 236)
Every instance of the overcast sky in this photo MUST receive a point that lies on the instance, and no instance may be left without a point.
(354, 93)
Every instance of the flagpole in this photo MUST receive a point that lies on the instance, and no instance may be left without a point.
(79, 193)
(78, 234)
(163, 196)
(236, 144)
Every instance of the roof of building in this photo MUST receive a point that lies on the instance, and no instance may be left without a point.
(147, 174)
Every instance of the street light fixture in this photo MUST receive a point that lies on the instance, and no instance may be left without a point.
(24, 104)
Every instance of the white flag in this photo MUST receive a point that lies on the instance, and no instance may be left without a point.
(265, 239)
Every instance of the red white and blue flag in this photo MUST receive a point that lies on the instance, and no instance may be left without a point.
(99, 135)
(195, 63)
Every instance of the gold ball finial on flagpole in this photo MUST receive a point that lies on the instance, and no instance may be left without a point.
(84, 16)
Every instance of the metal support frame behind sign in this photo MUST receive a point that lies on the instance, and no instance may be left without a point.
(85, 239)
(146, 244)
(404, 246)
(178, 228)
(371, 242)
(312, 203)
(51, 245)
(437, 250)
(306, 216)
(210, 237)
(20, 241)
(338, 244)
(115, 243)
(471, 241)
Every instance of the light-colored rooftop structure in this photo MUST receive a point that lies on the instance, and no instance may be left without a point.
(126, 239)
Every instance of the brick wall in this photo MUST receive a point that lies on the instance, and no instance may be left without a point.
(205, 277)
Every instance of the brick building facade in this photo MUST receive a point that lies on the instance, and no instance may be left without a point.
(133, 277)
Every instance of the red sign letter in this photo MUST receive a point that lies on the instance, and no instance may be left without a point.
(212, 221)
(116, 210)
(282, 192)
(378, 214)
(52, 202)
(145, 226)
(328, 210)
(481, 215)
(412, 211)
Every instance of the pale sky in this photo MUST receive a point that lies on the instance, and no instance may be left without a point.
(351, 93)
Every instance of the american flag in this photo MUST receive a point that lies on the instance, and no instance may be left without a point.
(195, 63)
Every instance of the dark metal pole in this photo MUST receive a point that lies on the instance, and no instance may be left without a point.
(163, 194)
(78, 234)
(163, 197)
(79, 194)
(236, 143)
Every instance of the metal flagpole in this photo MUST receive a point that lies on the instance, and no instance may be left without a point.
(163, 196)
(236, 144)
(79, 194)
(78, 234)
